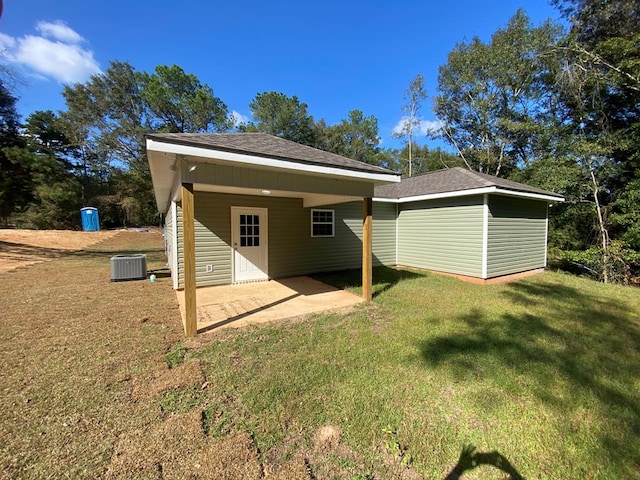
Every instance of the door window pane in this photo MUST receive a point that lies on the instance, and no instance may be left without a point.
(249, 230)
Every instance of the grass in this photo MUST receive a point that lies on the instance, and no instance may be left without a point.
(546, 371)
(543, 373)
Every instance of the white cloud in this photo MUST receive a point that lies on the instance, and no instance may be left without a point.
(239, 118)
(6, 41)
(56, 53)
(430, 127)
(59, 31)
(423, 127)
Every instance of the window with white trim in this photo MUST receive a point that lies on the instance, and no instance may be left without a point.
(322, 223)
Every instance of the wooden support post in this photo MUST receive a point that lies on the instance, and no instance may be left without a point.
(189, 246)
(367, 230)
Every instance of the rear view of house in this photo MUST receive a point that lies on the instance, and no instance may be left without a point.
(265, 208)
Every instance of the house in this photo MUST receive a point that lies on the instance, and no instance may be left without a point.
(246, 207)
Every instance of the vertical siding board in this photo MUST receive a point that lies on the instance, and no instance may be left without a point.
(442, 235)
(517, 235)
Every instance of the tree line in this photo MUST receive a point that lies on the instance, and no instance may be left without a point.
(554, 107)
(93, 151)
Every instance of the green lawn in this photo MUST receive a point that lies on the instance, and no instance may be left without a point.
(545, 371)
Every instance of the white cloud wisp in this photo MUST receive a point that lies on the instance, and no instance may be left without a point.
(424, 127)
(56, 53)
(239, 118)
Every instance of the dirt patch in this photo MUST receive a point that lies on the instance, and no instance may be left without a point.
(177, 448)
(294, 469)
(156, 382)
(230, 458)
(20, 248)
(327, 437)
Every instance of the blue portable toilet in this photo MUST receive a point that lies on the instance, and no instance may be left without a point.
(90, 220)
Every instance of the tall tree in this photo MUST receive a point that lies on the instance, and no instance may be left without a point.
(414, 97)
(181, 104)
(600, 85)
(108, 116)
(493, 100)
(276, 114)
(355, 137)
(56, 189)
(15, 180)
(425, 159)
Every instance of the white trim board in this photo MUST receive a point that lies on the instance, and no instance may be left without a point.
(485, 234)
(474, 191)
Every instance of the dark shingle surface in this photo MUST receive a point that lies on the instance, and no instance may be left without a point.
(267, 146)
(451, 180)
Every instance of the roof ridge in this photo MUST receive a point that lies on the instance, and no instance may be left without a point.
(473, 174)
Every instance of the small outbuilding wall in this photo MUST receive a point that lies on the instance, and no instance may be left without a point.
(443, 235)
(517, 235)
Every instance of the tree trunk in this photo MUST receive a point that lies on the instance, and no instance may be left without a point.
(603, 231)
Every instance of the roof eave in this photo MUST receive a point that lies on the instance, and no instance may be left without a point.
(474, 191)
(248, 159)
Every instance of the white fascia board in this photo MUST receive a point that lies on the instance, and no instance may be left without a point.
(435, 196)
(474, 191)
(253, 160)
(534, 196)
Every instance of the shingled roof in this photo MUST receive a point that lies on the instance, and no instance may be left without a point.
(452, 180)
(267, 146)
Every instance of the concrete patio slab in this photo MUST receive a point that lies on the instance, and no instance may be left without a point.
(260, 302)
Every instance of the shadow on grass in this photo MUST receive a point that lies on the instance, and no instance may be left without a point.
(21, 250)
(384, 278)
(18, 251)
(470, 459)
(572, 347)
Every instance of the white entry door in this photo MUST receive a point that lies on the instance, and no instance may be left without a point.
(249, 238)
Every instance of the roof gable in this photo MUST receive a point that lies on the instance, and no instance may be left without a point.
(451, 180)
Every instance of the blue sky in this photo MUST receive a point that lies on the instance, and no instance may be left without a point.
(336, 56)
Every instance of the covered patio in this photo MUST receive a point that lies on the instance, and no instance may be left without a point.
(255, 303)
(244, 208)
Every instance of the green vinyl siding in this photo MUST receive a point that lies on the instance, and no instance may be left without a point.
(517, 235)
(384, 233)
(291, 248)
(443, 235)
(180, 248)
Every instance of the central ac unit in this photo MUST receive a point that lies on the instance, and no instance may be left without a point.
(128, 267)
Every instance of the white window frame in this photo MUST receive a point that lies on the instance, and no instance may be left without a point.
(333, 222)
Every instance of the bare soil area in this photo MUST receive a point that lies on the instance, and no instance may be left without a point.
(20, 248)
(86, 389)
